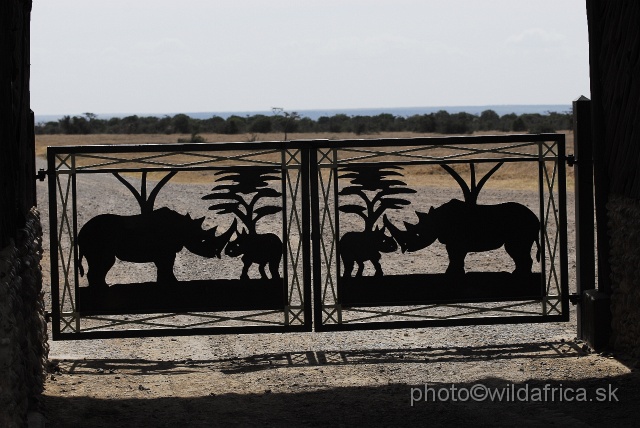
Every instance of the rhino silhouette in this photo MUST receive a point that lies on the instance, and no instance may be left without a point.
(359, 247)
(465, 228)
(154, 237)
(260, 248)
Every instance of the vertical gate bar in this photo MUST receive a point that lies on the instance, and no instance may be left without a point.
(306, 238)
(315, 237)
(584, 205)
(285, 236)
(562, 227)
(543, 226)
(336, 230)
(74, 211)
(53, 244)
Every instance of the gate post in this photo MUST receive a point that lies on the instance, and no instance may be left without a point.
(593, 314)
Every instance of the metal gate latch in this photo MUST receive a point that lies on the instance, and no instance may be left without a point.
(42, 174)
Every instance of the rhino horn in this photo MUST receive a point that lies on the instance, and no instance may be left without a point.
(199, 221)
(226, 236)
(395, 232)
(423, 216)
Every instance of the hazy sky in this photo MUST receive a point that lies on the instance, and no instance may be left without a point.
(158, 56)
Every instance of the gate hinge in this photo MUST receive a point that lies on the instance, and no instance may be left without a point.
(574, 298)
(571, 160)
(42, 174)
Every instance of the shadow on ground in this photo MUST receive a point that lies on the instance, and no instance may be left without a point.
(548, 350)
(388, 405)
(590, 401)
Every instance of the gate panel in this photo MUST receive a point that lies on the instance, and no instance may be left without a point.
(439, 231)
(216, 238)
(179, 239)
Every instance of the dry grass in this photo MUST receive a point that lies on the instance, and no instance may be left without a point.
(513, 176)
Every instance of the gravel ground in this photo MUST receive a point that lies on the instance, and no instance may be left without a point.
(377, 378)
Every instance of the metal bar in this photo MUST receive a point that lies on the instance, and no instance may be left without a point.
(308, 164)
(543, 235)
(276, 145)
(443, 323)
(459, 152)
(285, 235)
(121, 334)
(152, 320)
(434, 161)
(562, 228)
(189, 147)
(432, 141)
(315, 238)
(149, 160)
(73, 237)
(336, 235)
(294, 219)
(53, 245)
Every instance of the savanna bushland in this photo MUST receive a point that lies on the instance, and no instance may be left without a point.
(281, 121)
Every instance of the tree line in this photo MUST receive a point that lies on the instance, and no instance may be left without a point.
(441, 122)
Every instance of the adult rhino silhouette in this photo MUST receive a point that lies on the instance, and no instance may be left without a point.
(154, 237)
(465, 226)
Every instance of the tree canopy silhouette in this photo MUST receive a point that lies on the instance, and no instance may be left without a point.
(244, 187)
(378, 192)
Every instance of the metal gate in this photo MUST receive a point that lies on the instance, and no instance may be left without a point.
(457, 231)
(183, 239)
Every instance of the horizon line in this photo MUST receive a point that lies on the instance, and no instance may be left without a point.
(316, 110)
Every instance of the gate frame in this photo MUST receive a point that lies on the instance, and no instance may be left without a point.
(54, 151)
(561, 160)
(310, 234)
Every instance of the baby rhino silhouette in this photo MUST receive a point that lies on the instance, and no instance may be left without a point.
(258, 248)
(152, 237)
(359, 247)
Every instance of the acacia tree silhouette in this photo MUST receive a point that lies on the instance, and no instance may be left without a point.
(471, 193)
(252, 182)
(288, 121)
(146, 203)
(372, 185)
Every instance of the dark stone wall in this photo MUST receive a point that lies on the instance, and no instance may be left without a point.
(614, 56)
(23, 331)
(614, 38)
(17, 140)
(624, 226)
